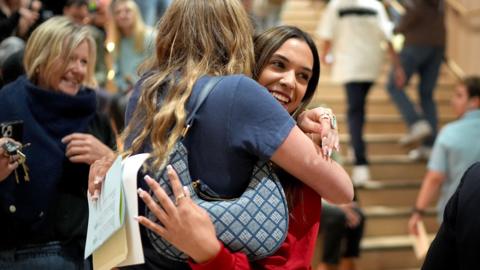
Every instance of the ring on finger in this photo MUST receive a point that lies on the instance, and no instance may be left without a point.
(179, 198)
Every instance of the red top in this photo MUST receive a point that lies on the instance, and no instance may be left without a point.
(294, 254)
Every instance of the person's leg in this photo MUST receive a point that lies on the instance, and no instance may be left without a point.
(356, 96)
(429, 72)
(353, 237)
(411, 58)
(46, 256)
(333, 230)
(409, 61)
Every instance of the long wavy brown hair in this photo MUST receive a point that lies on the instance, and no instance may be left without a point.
(195, 38)
(266, 44)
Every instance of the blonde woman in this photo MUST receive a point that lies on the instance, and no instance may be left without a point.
(43, 206)
(133, 42)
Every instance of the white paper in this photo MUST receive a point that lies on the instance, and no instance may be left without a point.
(131, 165)
(106, 215)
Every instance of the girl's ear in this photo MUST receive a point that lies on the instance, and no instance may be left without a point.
(474, 103)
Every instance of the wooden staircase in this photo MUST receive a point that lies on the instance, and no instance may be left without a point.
(387, 200)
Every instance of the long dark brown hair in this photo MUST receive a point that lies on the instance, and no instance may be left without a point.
(266, 44)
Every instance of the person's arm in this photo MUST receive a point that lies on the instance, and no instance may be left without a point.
(300, 157)
(430, 188)
(400, 77)
(224, 259)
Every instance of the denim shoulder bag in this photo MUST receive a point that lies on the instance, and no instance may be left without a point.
(255, 223)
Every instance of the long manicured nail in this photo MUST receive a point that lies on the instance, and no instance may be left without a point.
(148, 179)
(97, 180)
(140, 192)
(95, 195)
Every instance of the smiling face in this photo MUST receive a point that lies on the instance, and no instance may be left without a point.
(287, 73)
(124, 16)
(68, 77)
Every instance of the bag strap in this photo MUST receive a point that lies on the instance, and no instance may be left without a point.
(204, 93)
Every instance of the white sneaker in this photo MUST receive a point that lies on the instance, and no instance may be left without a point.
(360, 175)
(419, 130)
(420, 153)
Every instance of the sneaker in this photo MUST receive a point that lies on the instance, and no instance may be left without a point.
(418, 131)
(360, 175)
(420, 153)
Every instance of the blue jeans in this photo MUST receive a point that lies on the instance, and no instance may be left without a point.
(426, 61)
(49, 256)
(356, 96)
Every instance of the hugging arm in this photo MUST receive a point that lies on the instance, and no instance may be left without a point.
(299, 156)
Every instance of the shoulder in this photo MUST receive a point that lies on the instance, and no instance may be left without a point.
(449, 130)
(237, 82)
(12, 89)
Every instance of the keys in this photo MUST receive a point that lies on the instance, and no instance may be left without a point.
(21, 161)
(14, 149)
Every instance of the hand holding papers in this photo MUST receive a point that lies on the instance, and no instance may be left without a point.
(106, 215)
(123, 247)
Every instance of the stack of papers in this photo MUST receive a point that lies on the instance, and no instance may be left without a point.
(113, 236)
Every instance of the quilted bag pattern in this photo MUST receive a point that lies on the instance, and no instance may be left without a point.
(256, 223)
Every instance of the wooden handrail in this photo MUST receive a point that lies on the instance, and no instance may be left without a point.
(462, 10)
(455, 69)
(397, 6)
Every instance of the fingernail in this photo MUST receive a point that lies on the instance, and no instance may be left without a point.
(136, 218)
(140, 192)
(95, 195)
(169, 168)
(147, 178)
(98, 179)
(329, 152)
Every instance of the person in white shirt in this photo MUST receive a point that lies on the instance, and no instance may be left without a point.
(353, 32)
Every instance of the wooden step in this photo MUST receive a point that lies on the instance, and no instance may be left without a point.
(393, 193)
(377, 144)
(297, 5)
(392, 167)
(386, 124)
(388, 252)
(310, 14)
(384, 221)
(445, 76)
(376, 105)
(442, 92)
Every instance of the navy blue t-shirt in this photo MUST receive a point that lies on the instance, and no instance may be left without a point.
(239, 123)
